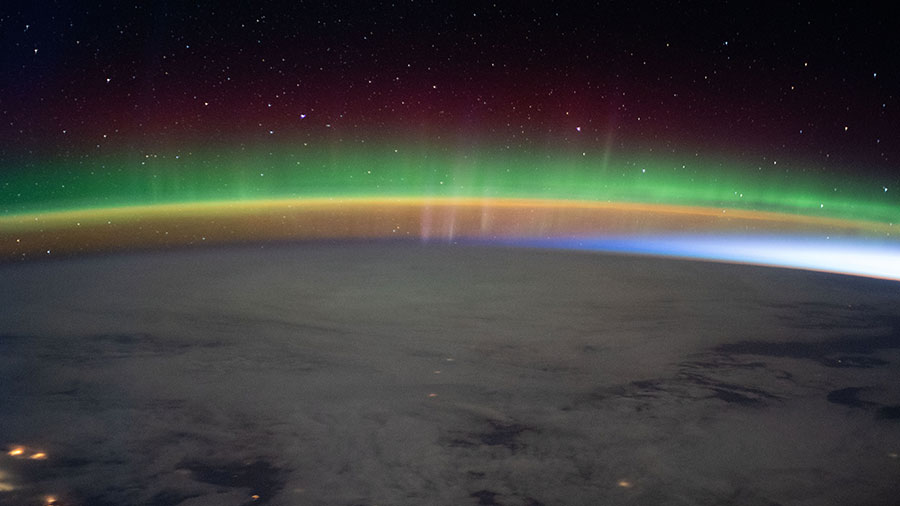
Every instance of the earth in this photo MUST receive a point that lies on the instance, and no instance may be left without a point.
(392, 373)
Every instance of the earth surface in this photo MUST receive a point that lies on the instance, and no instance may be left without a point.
(402, 373)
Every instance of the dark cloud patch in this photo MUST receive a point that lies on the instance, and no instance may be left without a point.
(261, 478)
(827, 351)
(889, 412)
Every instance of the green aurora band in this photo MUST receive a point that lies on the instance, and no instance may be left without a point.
(135, 177)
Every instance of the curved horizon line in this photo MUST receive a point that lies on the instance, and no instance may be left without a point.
(740, 236)
(236, 205)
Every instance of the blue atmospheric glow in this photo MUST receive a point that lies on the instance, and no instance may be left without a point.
(859, 257)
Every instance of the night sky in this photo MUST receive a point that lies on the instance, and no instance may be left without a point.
(788, 109)
(814, 82)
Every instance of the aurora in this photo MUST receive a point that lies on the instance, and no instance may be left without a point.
(140, 178)
(150, 200)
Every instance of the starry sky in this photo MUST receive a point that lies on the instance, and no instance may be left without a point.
(790, 108)
(815, 82)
